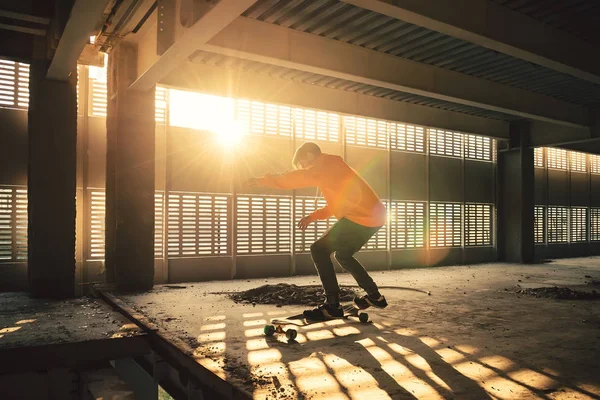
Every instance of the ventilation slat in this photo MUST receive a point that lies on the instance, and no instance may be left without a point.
(263, 225)
(406, 137)
(595, 224)
(198, 225)
(578, 224)
(14, 85)
(558, 224)
(445, 143)
(578, 161)
(538, 157)
(478, 224)
(539, 224)
(445, 221)
(407, 224)
(478, 147)
(556, 158)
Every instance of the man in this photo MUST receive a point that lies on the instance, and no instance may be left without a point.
(360, 215)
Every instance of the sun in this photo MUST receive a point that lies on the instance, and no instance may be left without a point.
(229, 133)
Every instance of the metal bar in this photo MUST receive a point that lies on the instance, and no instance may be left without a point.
(24, 17)
(31, 31)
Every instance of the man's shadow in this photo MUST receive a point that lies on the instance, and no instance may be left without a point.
(359, 356)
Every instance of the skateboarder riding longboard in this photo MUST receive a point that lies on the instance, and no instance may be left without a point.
(360, 214)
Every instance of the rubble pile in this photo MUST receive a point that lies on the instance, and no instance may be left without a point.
(287, 294)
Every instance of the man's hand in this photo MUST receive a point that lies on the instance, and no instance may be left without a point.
(252, 182)
(304, 222)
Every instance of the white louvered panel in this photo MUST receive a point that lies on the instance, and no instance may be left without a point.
(160, 104)
(316, 125)
(99, 98)
(595, 224)
(305, 124)
(97, 222)
(445, 222)
(594, 164)
(558, 224)
(197, 225)
(278, 120)
(263, 224)
(379, 240)
(243, 114)
(556, 158)
(22, 85)
(538, 157)
(159, 209)
(478, 225)
(366, 132)
(257, 122)
(6, 224)
(578, 161)
(578, 224)
(14, 84)
(189, 226)
(407, 224)
(21, 223)
(174, 225)
(445, 143)
(304, 207)
(8, 73)
(405, 137)
(478, 147)
(538, 224)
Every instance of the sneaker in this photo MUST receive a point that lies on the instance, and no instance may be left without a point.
(367, 301)
(324, 312)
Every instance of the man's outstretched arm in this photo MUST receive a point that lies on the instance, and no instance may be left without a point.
(290, 180)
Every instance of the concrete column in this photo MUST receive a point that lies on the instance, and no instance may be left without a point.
(129, 176)
(52, 143)
(516, 197)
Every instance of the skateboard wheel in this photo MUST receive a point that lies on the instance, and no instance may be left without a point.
(269, 330)
(363, 317)
(291, 334)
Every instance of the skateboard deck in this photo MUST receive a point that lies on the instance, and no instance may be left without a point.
(277, 324)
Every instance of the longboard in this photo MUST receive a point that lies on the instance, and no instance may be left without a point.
(278, 324)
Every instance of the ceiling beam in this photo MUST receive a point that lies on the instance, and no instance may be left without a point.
(84, 18)
(238, 83)
(152, 67)
(546, 134)
(498, 28)
(263, 42)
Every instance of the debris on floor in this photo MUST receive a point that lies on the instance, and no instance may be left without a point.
(286, 294)
(559, 293)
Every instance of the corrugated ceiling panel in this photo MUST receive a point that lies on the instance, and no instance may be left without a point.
(326, 81)
(340, 21)
(579, 18)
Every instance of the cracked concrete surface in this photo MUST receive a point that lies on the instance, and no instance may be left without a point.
(475, 337)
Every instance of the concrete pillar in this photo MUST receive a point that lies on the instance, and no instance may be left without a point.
(129, 176)
(52, 142)
(516, 197)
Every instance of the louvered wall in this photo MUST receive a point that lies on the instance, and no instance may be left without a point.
(199, 220)
(567, 198)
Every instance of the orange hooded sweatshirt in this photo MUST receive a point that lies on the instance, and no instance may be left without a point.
(347, 194)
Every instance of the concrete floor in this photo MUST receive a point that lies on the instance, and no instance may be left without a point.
(25, 321)
(471, 339)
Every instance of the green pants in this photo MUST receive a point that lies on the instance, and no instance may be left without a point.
(345, 238)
